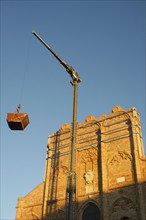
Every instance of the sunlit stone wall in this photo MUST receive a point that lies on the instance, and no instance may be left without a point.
(110, 171)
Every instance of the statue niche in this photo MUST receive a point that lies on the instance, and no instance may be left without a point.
(87, 170)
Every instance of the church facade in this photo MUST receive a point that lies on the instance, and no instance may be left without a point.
(110, 169)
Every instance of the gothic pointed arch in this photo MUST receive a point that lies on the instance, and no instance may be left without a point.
(33, 217)
(91, 211)
(123, 209)
(121, 165)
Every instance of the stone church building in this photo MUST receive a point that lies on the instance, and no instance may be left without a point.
(110, 171)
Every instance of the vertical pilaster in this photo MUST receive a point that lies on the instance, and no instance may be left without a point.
(46, 183)
(136, 152)
(104, 180)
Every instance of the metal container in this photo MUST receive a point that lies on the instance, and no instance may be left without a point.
(17, 121)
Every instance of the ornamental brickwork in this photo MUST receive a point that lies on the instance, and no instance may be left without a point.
(110, 171)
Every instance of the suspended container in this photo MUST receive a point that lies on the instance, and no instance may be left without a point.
(17, 120)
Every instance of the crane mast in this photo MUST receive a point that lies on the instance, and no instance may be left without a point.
(71, 178)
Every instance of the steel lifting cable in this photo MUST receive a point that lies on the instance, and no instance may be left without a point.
(26, 62)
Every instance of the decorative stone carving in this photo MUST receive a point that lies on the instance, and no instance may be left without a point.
(88, 176)
(123, 204)
(123, 207)
(120, 156)
(87, 154)
(63, 170)
(119, 169)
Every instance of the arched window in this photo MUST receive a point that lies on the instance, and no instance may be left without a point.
(125, 218)
(91, 212)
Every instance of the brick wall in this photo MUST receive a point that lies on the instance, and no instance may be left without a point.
(110, 170)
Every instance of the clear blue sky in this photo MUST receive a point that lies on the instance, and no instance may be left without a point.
(103, 40)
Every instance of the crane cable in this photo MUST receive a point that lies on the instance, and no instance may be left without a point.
(21, 96)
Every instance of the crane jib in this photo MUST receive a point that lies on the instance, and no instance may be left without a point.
(68, 68)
